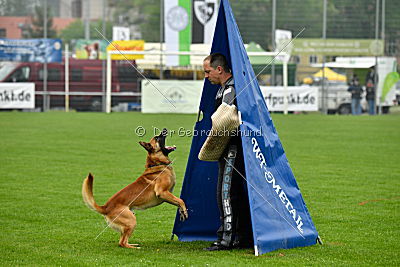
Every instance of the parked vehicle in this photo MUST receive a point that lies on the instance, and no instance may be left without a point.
(339, 100)
(85, 82)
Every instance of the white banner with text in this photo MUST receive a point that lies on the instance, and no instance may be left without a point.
(299, 98)
(171, 96)
(17, 95)
(174, 96)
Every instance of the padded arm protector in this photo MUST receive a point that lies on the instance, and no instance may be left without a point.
(225, 122)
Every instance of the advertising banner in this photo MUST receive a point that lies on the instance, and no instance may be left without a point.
(30, 50)
(131, 45)
(204, 18)
(338, 47)
(121, 33)
(387, 78)
(17, 95)
(171, 96)
(186, 95)
(299, 98)
(177, 24)
(283, 43)
(90, 49)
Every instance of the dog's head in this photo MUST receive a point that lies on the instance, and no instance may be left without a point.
(156, 148)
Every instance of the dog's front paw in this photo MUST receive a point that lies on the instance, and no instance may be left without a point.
(183, 214)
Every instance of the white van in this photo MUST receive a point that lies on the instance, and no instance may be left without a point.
(338, 99)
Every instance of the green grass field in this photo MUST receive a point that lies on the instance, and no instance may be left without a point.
(338, 161)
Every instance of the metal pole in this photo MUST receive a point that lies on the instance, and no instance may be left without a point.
(46, 104)
(193, 66)
(273, 40)
(383, 21)
(323, 93)
(285, 86)
(324, 20)
(161, 36)
(383, 33)
(377, 92)
(103, 65)
(86, 19)
(108, 91)
(66, 63)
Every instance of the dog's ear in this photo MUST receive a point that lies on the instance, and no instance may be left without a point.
(146, 146)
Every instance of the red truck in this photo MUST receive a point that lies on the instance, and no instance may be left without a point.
(85, 82)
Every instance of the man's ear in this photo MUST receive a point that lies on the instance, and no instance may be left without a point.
(146, 146)
(219, 68)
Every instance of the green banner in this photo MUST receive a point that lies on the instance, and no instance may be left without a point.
(185, 35)
(177, 30)
(338, 47)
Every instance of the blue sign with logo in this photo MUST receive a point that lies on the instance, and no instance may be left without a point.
(31, 50)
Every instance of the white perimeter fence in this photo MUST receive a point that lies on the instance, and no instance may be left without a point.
(110, 92)
(169, 53)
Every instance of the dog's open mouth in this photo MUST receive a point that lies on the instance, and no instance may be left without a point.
(170, 148)
(166, 149)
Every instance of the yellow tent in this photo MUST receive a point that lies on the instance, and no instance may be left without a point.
(331, 75)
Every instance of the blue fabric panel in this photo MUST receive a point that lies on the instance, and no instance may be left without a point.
(280, 218)
(200, 182)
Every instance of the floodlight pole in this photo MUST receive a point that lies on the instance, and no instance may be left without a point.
(273, 40)
(377, 97)
(86, 19)
(46, 103)
(103, 62)
(161, 36)
(323, 93)
(383, 22)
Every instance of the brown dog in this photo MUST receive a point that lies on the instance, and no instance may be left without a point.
(152, 188)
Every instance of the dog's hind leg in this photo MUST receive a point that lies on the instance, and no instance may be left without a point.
(126, 221)
(123, 241)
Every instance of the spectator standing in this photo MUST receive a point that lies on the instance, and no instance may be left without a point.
(356, 91)
(370, 88)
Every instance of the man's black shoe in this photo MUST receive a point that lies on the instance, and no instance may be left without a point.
(216, 246)
(242, 245)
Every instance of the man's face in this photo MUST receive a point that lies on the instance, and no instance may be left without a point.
(213, 75)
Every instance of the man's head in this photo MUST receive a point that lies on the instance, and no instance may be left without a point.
(216, 68)
(372, 69)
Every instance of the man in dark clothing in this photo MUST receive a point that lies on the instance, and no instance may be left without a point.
(356, 91)
(370, 82)
(235, 230)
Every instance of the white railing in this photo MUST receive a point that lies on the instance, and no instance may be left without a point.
(171, 53)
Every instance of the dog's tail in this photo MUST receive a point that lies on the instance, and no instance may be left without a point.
(87, 194)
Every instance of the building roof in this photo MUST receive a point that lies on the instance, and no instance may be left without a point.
(13, 26)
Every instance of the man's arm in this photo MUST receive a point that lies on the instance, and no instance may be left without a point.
(229, 95)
